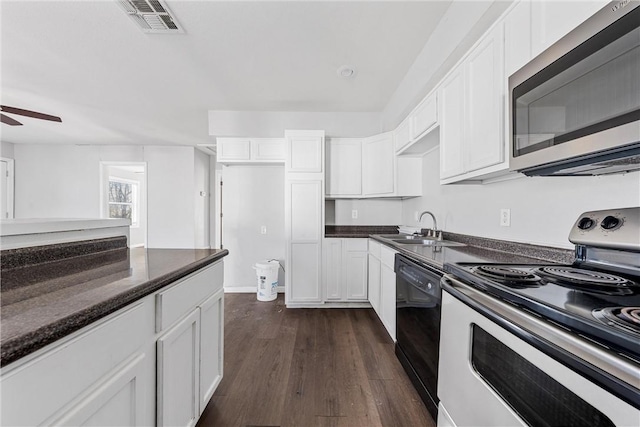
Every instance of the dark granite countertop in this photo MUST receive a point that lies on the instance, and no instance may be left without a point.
(357, 231)
(44, 302)
(480, 250)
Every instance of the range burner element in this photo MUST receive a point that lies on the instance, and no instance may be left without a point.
(508, 276)
(588, 280)
(626, 318)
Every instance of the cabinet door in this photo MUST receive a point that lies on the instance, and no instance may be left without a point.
(234, 149)
(483, 141)
(374, 283)
(344, 167)
(305, 154)
(268, 149)
(305, 282)
(551, 20)
(425, 116)
(378, 162)
(355, 275)
(332, 268)
(517, 38)
(211, 346)
(388, 300)
(402, 135)
(451, 101)
(116, 402)
(178, 372)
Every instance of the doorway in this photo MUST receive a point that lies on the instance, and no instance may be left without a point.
(123, 192)
(6, 188)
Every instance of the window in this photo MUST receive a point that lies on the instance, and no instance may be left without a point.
(123, 199)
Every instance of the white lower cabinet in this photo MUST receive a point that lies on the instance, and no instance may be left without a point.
(382, 284)
(178, 383)
(344, 265)
(106, 373)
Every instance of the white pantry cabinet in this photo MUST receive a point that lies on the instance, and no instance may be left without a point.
(250, 150)
(345, 269)
(106, 373)
(304, 216)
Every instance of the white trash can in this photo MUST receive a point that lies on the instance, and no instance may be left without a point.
(267, 272)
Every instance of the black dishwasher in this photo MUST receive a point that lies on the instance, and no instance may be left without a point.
(418, 306)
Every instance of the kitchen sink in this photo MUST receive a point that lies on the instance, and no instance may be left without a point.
(425, 241)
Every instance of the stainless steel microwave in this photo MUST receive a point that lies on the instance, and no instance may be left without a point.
(575, 108)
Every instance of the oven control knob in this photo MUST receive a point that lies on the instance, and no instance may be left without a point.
(610, 223)
(586, 223)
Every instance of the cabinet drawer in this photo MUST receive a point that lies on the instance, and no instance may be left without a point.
(374, 248)
(180, 299)
(355, 245)
(35, 390)
(387, 256)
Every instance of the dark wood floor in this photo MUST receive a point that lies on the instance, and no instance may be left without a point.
(309, 367)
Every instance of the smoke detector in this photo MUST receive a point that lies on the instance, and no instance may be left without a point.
(346, 71)
(152, 16)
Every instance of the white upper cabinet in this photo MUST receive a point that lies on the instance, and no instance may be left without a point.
(424, 116)
(344, 167)
(517, 38)
(452, 124)
(551, 20)
(471, 106)
(402, 135)
(378, 156)
(250, 150)
(484, 139)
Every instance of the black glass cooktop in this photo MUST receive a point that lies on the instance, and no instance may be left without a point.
(601, 305)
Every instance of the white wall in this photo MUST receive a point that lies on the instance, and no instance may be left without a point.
(63, 181)
(370, 212)
(543, 209)
(252, 196)
(6, 150)
(274, 123)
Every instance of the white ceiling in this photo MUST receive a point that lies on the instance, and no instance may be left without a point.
(86, 62)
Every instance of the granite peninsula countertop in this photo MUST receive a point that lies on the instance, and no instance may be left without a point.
(61, 297)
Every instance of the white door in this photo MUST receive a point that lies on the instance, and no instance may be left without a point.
(355, 275)
(388, 299)
(332, 268)
(178, 371)
(6, 188)
(374, 283)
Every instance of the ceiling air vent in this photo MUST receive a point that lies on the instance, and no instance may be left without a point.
(152, 16)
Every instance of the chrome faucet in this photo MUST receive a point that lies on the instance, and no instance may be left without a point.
(437, 234)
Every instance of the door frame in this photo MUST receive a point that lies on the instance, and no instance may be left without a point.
(10, 190)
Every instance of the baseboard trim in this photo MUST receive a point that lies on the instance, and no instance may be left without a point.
(246, 289)
(331, 305)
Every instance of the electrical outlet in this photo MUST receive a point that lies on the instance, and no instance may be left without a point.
(354, 214)
(505, 217)
(263, 229)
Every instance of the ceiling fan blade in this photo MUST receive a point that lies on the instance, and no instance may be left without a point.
(28, 113)
(9, 121)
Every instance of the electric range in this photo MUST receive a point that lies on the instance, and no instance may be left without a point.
(598, 296)
(557, 344)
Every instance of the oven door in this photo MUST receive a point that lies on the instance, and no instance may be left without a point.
(488, 376)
